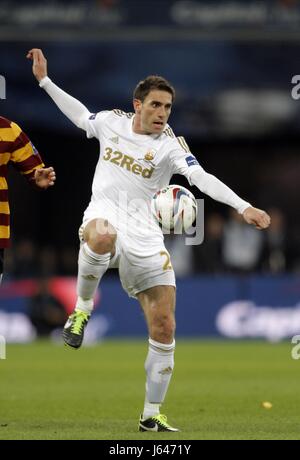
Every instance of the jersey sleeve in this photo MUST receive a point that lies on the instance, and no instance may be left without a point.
(94, 122)
(182, 160)
(24, 155)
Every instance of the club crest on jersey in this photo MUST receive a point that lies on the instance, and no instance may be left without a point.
(149, 156)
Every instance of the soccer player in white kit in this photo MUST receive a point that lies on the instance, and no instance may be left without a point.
(139, 153)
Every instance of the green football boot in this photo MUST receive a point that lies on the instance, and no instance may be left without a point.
(74, 328)
(156, 423)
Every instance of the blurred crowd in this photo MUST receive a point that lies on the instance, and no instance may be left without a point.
(232, 246)
(229, 246)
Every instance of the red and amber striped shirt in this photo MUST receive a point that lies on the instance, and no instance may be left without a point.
(15, 147)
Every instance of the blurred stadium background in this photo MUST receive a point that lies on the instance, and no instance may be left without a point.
(232, 64)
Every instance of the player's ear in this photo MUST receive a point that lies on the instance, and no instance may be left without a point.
(137, 104)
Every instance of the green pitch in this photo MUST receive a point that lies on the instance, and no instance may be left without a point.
(48, 391)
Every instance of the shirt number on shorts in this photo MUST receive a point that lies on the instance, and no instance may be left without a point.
(167, 265)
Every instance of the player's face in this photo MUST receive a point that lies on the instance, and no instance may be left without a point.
(152, 114)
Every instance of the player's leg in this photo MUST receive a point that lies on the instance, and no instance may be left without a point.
(158, 304)
(96, 250)
(99, 238)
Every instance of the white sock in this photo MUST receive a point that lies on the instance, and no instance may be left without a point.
(159, 366)
(84, 305)
(91, 268)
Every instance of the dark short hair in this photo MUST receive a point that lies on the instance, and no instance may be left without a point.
(150, 83)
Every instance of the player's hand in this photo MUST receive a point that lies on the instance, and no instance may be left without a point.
(257, 217)
(39, 66)
(44, 177)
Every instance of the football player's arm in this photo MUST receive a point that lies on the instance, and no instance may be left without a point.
(212, 186)
(71, 107)
(26, 159)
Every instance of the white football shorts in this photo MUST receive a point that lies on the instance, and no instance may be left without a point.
(138, 273)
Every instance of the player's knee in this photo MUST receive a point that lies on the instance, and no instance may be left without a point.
(103, 243)
(101, 236)
(163, 329)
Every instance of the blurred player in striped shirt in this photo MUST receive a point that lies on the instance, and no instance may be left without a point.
(16, 147)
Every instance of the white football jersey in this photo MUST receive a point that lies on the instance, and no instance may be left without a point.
(131, 168)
